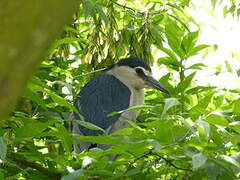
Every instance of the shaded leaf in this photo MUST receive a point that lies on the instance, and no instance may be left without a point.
(62, 102)
(73, 175)
(204, 128)
(102, 14)
(87, 7)
(3, 149)
(88, 125)
(133, 108)
(33, 128)
(98, 139)
(198, 160)
(34, 97)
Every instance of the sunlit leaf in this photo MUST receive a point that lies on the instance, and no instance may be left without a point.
(228, 67)
(183, 85)
(196, 49)
(217, 119)
(230, 160)
(236, 105)
(189, 41)
(235, 125)
(201, 107)
(169, 103)
(197, 66)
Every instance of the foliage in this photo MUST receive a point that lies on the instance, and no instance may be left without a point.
(192, 134)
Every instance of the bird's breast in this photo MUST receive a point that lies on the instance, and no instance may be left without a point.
(136, 98)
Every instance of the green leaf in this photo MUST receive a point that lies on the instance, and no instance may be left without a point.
(185, 123)
(238, 72)
(230, 160)
(236, 105)
(198, 160)
(235, 125)
(217, 119)
(201, 107)
(204, 128)
(34, 97)
(199, 89)
(65, 136)
(197, 66)
(87, 7)
(170, 53)
(3, 149)
(174, 35)
(196, 49)
(154, 144)
(183, 85)
(228, 66)
(189, 41)
(170, 62)
(1, 176)
(62, 102)
(88, 125)
(102, 14)
(169, 103)
(73, 175)
(67, 40)
(133, 108)
(164, 132)
(33, 128)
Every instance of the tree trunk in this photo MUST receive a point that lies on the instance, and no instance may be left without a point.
(27, 29)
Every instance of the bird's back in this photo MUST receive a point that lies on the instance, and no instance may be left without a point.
(102, 95)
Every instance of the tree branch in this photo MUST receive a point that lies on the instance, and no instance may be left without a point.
(22, 161)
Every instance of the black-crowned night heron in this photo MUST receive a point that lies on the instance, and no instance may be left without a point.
(118, 88)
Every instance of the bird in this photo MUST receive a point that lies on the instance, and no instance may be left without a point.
(119, 87)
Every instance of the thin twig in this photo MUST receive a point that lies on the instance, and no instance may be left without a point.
(168, 161)
(98, 70)
(126, 7)
(135, 160)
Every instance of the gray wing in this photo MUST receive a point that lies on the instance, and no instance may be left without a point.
(102, 95)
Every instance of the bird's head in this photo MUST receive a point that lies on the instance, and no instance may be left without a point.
(135, 73)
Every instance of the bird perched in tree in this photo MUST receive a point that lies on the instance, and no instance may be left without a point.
(118, 88)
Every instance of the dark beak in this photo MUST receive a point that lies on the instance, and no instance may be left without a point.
(153, 83)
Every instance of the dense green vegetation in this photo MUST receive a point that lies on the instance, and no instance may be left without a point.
(192, 134)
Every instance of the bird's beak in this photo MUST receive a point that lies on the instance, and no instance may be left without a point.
(153, 83)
